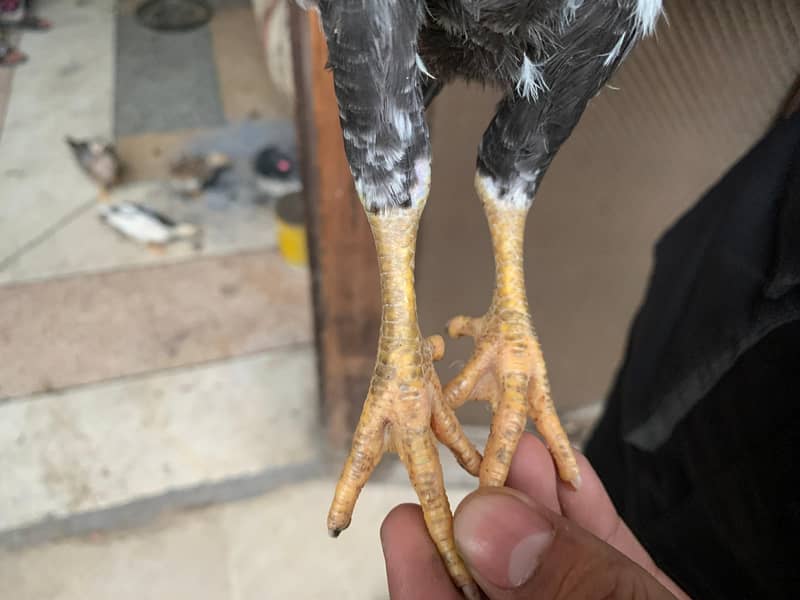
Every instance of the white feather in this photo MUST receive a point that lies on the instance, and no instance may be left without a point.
(518, 195)
(402, 124)
(423, 69)
(379, 195)
(647, 13)
(531, 80)
(612, 56)
(569, 10)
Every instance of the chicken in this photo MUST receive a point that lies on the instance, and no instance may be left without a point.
(144, 225)
(99, 160)
(389, 57)
(190, 175)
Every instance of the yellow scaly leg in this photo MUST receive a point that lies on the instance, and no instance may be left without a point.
(507, 367)
(404, 411)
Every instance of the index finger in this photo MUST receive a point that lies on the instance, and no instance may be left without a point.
(532, 473)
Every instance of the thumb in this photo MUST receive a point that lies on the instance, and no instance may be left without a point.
(516, 548)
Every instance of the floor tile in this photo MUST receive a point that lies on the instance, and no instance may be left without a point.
(164, 81)
(279, 548)
(182, 559)
(244, 82)
(77, 330)
(109, 444)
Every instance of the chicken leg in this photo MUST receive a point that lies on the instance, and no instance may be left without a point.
(535, 117)
(372, 50)
(404, 411)
(507, 368)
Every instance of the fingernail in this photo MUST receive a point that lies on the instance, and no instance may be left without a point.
(501, 538)
(525, 557)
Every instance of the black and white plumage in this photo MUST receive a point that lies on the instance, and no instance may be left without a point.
(372, 49)
(549, 56)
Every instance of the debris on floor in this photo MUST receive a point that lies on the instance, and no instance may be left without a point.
(276, 173)
(191, 174)
(251, 163)
(147, 226)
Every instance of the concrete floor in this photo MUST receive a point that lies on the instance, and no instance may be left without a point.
(269, 547)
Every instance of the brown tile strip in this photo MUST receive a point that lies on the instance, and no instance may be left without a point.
(147, 156)
(66, 332)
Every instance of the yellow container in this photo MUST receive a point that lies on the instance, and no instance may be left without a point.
(292, 238)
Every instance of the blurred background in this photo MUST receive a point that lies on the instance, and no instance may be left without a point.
(162, 433)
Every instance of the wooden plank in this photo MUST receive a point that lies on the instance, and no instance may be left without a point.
(341, 250)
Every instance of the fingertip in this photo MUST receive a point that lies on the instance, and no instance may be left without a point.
(414, 569)
(399, 519)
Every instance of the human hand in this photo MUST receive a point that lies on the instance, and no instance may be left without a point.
(536, 538)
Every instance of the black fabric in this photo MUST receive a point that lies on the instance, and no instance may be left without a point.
(699, 441)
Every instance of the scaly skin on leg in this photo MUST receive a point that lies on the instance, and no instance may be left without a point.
(507, 368)
(404, 408)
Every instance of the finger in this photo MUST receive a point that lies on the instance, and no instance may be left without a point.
(532, 472)
(413, 567)
(591, 508)
(518, 549)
